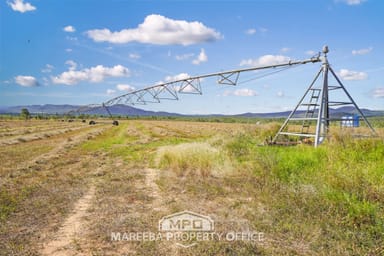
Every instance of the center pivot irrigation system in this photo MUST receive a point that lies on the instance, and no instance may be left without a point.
(309, 122)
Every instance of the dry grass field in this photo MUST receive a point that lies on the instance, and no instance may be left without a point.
(65, 187)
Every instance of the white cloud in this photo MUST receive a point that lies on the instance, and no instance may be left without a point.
(110, 91)
(159, 82)
(310, 52)
(266, 86)
(346, 74)
(72, 65)
(180, 76)
(263, 30)
(48, 68)
(69, 29)
(71, 38)
(45, 81)
(280, 94)
(362, 51)
(20, 6)
(94, 74)
(245, 92)
(125, 87)
(134, 56)
(26, 81)
(201, 58)
(250, 31)
(351, 2)
(184, 56)
(285, 49)
(157, 29)
(265, 60)
(378, 92)
(68, 50)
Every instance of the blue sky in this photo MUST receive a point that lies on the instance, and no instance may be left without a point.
(84, 51)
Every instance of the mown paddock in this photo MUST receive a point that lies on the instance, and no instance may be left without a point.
(307, 201)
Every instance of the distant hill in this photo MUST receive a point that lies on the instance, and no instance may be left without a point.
(126, 110)
(51, 109)
(38, 109)
(338, 112)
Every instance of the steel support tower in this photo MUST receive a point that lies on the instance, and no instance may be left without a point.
(312, 115)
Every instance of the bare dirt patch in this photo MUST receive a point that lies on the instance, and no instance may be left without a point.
(151, 175)
(65, 241)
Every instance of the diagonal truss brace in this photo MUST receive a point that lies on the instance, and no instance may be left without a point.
(190, 86)
(168, 91)
(228, 78)
(143, 99)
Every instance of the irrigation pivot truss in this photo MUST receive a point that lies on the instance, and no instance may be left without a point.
(190, 85)
(312, 115)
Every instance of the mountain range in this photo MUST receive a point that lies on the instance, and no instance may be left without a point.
(125, 110)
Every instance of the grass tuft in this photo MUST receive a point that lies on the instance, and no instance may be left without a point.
(196, 158)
